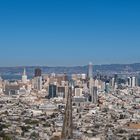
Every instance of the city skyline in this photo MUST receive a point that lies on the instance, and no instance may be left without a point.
(69, 70)
(67, 33)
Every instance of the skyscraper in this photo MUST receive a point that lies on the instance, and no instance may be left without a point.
(52, 91)
(129, 81)
(133, 81)
(90, 70)
(38, 79)
(95, 96)
(90, 75)
(37, 72)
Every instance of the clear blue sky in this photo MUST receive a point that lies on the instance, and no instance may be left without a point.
(69, 32)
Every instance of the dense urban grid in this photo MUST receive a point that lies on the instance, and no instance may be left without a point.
(81, 107)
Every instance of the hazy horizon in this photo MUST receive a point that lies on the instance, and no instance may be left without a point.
(71, 65)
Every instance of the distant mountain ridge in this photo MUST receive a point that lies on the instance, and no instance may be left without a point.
(73, 69)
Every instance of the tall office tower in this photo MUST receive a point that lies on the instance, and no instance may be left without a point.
(61, 91)
(37, 72)
(52, 91)
(138, 80)
(67, 130)
(113, 82)
(38, 79)
(107, 88)
(95, 96)
(90, 70)
(24, 77)
(38, 83)
(90, 75)
(133, 81)
(116, 78)
(129, 82)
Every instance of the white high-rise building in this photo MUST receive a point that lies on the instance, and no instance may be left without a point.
(24, 77)
(129, 82)
(90, 70)
(133, 81)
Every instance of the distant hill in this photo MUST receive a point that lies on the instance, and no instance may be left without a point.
(108, 68)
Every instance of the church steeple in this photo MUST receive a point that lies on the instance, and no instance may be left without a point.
(24, 76)
(24, 72)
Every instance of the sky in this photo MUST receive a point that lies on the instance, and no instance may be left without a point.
(69, 32)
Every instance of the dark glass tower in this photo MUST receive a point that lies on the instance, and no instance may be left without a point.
(52, 91)
(37, 72)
